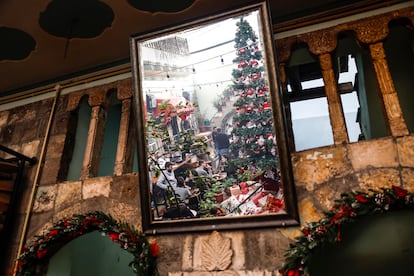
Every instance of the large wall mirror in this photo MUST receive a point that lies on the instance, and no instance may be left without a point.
(211, 137)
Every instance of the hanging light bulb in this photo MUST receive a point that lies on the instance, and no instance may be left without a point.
(222, 60)
(193, 70)
(168, 75)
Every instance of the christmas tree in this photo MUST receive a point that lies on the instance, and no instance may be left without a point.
(253, 143)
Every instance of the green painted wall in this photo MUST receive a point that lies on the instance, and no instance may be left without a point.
(91, 254)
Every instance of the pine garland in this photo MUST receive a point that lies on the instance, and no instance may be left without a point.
(128, 238)
(345, 211)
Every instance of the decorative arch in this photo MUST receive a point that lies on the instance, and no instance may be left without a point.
(35, 255)
(345, 211)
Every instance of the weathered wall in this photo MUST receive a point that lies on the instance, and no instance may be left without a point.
(321, 175)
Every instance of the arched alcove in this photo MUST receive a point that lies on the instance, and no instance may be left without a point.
(90, 254)
(380, 245)
(140, 254)
(365, 233)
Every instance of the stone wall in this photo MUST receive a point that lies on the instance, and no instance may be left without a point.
(320, 175)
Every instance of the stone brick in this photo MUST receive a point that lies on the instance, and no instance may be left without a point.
(69, 193)
(95, 187)
(45, 198)
(4, 116)
(308, 211)
(61, 123)
(24, 113)
(317, 166)
(126, 188)
(375, 178)
(171, 253)
(405, 147)
(258, 246)
(68, 212)
(55, 147)
(29, 130)
(326, 194)
(126, 213)
(377, 153)
(50, 171)
(31, 149)
(407, 176)
(39, 223)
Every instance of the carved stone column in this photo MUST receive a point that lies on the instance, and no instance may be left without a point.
(283, 51)
(322, 43)
(397, 125)
(124, 149)
(373, 31)
(95, 139)
(336, 113)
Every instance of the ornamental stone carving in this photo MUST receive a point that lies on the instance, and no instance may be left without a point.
(124, 90)
(319, 42)
(73, 100)
(97, 97)
(372, 30)
(216, 252)
(284, 47)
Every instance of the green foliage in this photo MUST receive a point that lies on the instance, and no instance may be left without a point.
(345, 211)
(128, 238)
(253, 130)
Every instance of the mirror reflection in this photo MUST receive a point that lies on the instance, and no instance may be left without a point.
(209, 124)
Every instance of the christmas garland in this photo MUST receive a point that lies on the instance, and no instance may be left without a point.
(345, 210)
(135, 242)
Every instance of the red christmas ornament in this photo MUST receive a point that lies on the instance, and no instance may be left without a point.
(266, 105)
(250, 92)
(242, 64)
(254, 63)
(260, 93)
(249, 109)
(242, 50)
(256, 76)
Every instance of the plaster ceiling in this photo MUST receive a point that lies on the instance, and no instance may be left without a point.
(49, 40)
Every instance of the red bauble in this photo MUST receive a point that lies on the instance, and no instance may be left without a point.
(250, 92)
(254, 63)
(256, 76)
(266, 105)
(260, 93)
(242, 64)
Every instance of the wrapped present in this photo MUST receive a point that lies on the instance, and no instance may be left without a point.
(249, 208)
(262, 201)
(257, 197)
(273, 204)
(235, 190)
(230, 204)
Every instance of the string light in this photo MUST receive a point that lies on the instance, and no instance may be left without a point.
(205, 60)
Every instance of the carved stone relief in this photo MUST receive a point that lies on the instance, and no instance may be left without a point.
(217, 255)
